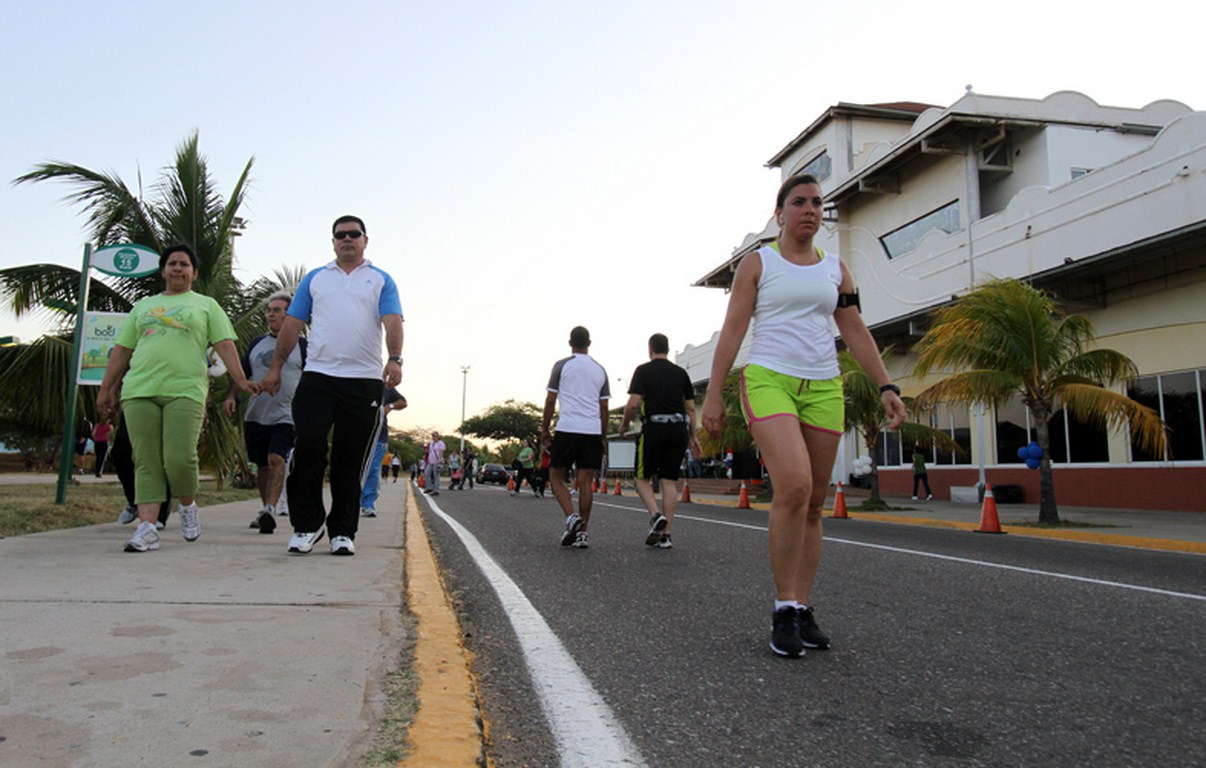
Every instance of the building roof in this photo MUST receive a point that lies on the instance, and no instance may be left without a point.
(896, 110)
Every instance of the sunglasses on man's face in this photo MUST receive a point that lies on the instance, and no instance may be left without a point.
(355, 234)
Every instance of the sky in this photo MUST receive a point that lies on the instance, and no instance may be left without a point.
(525, 166)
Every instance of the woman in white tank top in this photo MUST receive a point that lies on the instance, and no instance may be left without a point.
(790, 290)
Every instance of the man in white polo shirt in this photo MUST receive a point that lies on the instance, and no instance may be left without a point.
(347, 303)
(581, 385)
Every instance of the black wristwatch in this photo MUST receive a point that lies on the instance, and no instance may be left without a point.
(890, 388)
(396, 359)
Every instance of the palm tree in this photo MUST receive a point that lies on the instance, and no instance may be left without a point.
(1007, 338)
(185, 207)
(865, 415)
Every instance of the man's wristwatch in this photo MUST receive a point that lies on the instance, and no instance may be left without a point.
(890, 388)
(396, 359)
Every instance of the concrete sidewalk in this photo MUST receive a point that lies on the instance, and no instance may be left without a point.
(222, 652)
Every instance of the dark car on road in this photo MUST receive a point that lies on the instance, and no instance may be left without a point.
(493, 473)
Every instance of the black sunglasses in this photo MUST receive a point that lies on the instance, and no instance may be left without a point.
(352, 233)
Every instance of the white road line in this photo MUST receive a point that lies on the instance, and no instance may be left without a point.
(966, 560)
(585, 729)
(1020, 569)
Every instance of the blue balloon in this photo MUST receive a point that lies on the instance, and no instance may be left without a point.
(1024, 452)
(1032, 463)
(1035, 451)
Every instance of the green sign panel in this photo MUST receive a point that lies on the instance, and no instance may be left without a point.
(126, 260)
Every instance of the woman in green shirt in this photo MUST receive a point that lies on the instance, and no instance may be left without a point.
(158, 365)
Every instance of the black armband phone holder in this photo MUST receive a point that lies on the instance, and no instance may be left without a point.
(849, 300)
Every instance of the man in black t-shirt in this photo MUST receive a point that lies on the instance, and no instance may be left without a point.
(660, 392)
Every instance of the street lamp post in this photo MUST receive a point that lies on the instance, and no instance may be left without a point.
(464, 384)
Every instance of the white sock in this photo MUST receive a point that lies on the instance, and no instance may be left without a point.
(786, 604)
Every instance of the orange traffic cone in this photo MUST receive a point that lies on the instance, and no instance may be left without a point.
(989, 522)
(594, 485)
(839, 503)
(510, 484)
(686, 499)
(743, 501)
(616, 492)
(422, 482)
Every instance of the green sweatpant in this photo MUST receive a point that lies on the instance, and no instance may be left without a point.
(164, 433)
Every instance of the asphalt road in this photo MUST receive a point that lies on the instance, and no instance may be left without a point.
(950, 648)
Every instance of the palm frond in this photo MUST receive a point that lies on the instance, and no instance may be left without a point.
(1107, 409)
(114, 213)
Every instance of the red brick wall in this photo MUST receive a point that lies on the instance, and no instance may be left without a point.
(1131, 487)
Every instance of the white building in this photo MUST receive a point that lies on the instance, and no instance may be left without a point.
(1103, 206)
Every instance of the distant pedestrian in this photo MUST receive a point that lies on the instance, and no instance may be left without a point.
(540, 475)
(524, 463)
(268, 419)
(921, 476)
(395, 466)
(791, 391)
(435, 454)
(100, 444)
(350, 304)
(580, 384)
(469, 467)
(661, 393)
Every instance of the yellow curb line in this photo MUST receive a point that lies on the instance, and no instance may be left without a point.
(1144, 542)
(446, 729)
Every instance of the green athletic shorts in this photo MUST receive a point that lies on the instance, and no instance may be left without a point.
(818, 404)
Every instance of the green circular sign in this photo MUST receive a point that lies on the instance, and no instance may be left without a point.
(126, 260)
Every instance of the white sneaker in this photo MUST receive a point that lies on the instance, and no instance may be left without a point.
(190, 526)
(282, 506)
(573, 524)
(145, 538)
(580, 541)
(303, 543)
(368, 512)
(128, 515)
(342, 545)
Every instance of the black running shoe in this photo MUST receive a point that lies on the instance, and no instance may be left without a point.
(810, 634)
(785, 633)
(266, 522)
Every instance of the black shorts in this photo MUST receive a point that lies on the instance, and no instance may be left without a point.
(660, 450)
(572, 448)
(263, 439)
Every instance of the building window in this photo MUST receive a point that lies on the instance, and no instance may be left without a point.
(905, 239)
(956, 422)
(1013, 430)
(1078, 172)
(1178, 398)
(1072, 441)
(820, 166)
(888, 449)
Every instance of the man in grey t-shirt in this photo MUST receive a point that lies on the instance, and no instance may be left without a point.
(268, 420)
